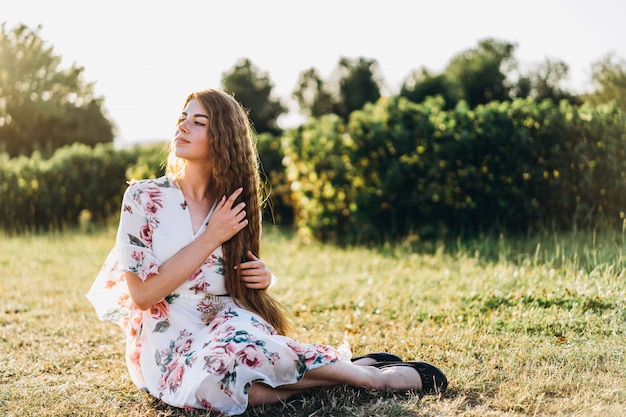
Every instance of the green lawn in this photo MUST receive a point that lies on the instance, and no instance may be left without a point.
(526, 327)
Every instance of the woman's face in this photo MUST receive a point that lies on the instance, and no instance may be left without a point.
(192, 139)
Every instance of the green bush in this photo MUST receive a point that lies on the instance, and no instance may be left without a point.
(319, 171)
(77, 182)
(278, 207)
(399, 169)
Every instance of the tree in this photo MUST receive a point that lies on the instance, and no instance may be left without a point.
(352, 84)
(313, 95)
(421, 84)
(41, 105)
(358, 84)
(253, 89)
(544, 82)
(609, 78)
(479, 75)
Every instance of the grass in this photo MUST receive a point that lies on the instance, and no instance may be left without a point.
(522, 327)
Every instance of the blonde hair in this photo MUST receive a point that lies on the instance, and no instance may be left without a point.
(234, 164)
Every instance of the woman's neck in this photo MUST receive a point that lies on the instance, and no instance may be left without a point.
(196, 185)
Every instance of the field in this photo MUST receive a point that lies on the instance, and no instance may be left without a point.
(522, 327)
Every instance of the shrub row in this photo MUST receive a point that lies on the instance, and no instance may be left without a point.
(399, 168)
(395, 169)
(42, 194)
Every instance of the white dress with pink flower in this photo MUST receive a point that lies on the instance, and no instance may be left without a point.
(196, 348)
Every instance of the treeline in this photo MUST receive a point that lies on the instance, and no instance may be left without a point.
(394, 169)
(44, 106)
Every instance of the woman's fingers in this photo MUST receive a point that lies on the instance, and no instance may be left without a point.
(228, 218)
(234, 196)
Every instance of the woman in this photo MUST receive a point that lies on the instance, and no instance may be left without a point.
(185, 283)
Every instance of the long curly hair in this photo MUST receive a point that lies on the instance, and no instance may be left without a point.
(234, 164)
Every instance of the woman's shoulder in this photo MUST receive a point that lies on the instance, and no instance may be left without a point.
(149, 188)
(161, 182)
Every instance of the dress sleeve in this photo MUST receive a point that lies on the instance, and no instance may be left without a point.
(138, 222)
(132, 252)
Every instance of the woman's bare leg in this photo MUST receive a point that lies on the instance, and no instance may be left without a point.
(339, 373)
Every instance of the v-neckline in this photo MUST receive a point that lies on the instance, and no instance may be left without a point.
(186, 208)
(205, 222)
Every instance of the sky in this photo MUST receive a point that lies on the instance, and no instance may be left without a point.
(145, 57)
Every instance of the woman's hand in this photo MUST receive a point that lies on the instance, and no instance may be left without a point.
(227, 219)
(254, 273)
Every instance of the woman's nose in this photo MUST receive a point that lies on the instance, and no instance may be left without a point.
(182, 126)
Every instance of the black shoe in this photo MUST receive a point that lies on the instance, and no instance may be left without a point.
(379, 357)
(433, 380)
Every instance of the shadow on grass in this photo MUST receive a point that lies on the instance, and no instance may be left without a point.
(334, 401)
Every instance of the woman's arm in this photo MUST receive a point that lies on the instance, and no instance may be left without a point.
(226, 221)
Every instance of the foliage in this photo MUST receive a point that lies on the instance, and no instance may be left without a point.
(479, 75)
(44, 107)
(317, 162)
(278, 204)
(421, 84)
(522, 327)
(353, 83)
(544, 82)
(150, 162)
(253, 89)
(488, 73)
(609, 77)
(313, 95)
(77, 182)
(358, 84)
(399, 168)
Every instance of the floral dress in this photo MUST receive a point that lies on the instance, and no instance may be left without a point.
(196, 348)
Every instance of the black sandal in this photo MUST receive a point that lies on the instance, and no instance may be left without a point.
(433, 380)
(379, 357)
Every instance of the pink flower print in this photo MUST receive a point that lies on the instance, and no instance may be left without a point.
(212, 260)
(124, 300)
(200, 285)
(152, 269)
(146, 232)
(138, 256)
(327, 352)
(251, 356)
(195, 274)
(183, 347)
(223, 332)
(135, 321)
(217, 364)
(172, 378)
(152, 207)
(216, 262)
(222, 318)
(297, 348)
(113, 281)
(309, 354)
(160, 310)
(151, 194)
(135, 356)
(206, 404)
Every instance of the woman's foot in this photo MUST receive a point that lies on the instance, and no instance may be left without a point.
(431, 379)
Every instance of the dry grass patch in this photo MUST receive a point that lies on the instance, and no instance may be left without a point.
(530, 327)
